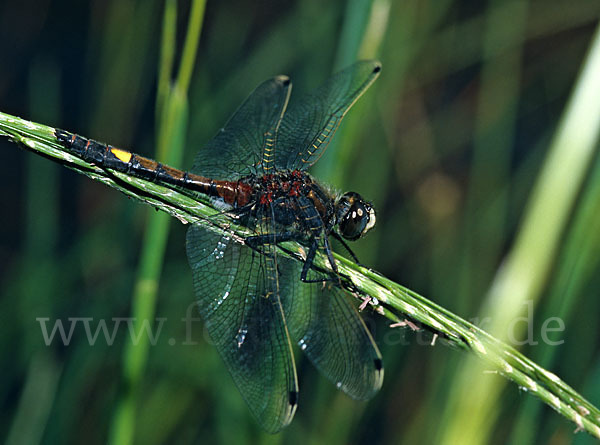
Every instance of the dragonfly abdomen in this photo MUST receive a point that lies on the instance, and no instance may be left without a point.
(235, 193)
(104, 155)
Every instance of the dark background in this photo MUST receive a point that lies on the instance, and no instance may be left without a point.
(447, 144)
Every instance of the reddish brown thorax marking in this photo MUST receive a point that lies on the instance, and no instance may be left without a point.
(240, 193)
(295, 189)
(234, 192)
(266, 198)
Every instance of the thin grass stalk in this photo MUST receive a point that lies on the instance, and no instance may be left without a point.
(171, 126)
(167, 56)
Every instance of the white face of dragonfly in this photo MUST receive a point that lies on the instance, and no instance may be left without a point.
(371, 222)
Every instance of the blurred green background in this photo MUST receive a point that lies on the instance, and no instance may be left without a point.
(448, 144)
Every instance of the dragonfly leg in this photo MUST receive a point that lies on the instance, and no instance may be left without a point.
(310, 257)
(329, 253)
(345, 245)
(331, 260)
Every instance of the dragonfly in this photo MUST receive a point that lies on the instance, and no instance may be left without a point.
(256, 302)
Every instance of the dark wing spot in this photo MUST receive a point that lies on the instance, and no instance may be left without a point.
(377, 69)
(293, 398)
(378, 364)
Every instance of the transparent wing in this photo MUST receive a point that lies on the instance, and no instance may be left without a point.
(330, 331)
(244, 145)
(309, 124)
(238, 299)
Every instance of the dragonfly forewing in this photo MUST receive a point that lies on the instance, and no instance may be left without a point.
(310, 123)
(240, 148)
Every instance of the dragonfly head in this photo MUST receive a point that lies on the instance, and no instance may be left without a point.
(355, 216)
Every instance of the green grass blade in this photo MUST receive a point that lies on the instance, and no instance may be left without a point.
(172, 110)
(386, 297)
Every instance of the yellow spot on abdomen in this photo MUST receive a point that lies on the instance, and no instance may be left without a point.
(123, 155)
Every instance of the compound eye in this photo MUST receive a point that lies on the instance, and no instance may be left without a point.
(357, 221)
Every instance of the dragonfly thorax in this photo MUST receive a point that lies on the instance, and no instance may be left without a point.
(293, 198)
(288, 195)
(282, 184)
